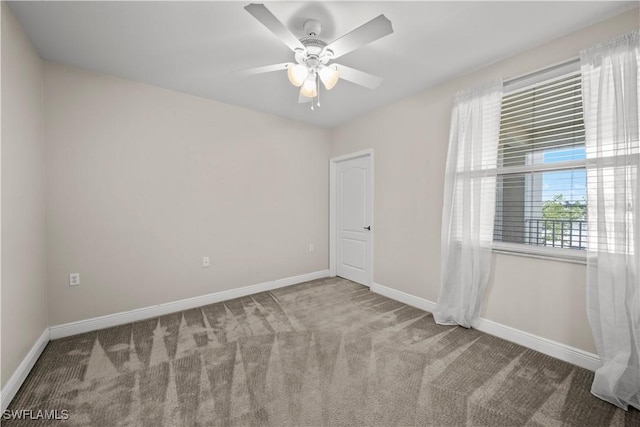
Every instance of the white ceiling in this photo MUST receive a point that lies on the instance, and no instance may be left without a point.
(198, 47)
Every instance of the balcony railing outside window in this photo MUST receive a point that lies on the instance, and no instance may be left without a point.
(557, 233)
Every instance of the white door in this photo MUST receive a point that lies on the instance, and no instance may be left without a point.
(353, 219)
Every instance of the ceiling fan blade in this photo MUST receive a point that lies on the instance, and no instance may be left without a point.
(266, 69)
(358, 77)
(364, 34)
(268, 19)
(303, 99)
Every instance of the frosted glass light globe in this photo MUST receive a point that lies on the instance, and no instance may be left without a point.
(329, 76)
(297, 74)
(309, 88)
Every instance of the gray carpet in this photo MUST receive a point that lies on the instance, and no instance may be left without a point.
(327, 352)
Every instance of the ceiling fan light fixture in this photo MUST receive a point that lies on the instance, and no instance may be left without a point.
(309, 88)
(313, 55)
(297, 74)
(329, 76)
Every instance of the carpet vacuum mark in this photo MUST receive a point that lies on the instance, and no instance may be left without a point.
(327, 352)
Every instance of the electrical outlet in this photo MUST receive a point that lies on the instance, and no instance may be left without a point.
(311, 247)
(74, 279)
(206, 262)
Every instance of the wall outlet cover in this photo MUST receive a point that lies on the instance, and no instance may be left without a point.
(74, 279)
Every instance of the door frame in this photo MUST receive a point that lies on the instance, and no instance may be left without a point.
(333, 238)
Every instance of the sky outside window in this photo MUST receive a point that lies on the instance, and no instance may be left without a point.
(570, 183)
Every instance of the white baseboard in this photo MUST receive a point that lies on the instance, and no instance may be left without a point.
(81, 326)
(421, 303)
(20, 374)
(549, 347)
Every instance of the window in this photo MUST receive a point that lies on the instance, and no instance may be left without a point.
(541, 178)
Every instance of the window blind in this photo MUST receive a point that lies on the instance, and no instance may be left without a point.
(546, 116)
(541, 179)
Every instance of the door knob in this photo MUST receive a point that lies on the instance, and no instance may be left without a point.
(368, 227)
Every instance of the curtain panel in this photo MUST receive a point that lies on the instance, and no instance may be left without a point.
(611, 91)
(469, 204)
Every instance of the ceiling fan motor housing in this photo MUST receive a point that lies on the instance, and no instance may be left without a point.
(314, 56)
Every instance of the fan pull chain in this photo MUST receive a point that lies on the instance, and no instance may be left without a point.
(311, 103)
(318, 90)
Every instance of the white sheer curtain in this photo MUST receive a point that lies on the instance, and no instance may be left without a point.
(469, 204)
(611, 92)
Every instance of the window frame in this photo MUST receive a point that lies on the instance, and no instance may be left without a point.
(521, 84)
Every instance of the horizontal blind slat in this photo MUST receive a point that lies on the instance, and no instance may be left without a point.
(540, 103)
(562, 114)
(572, 79)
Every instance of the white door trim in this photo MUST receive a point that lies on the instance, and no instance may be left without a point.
(332, 208)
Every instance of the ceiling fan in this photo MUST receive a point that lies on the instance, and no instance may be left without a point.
(314, 56)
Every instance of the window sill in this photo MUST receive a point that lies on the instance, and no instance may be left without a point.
(573, 256)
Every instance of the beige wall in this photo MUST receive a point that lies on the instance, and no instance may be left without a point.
(24, 306)
(142, 182)
(410, 139)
